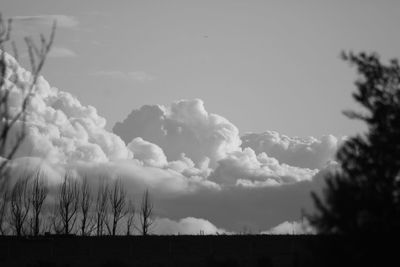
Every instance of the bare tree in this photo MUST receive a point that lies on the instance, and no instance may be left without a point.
(86, 220)
(10, 138)
(20, 205)
(117, 198)
(53, 221)
(146, 214)
(101, 208)
(130, 217)
(39, 191)
(67, 203)
(4, 205)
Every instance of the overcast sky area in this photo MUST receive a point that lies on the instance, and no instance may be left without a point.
(229, 85)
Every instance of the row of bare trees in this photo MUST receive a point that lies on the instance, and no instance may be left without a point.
(29, 207)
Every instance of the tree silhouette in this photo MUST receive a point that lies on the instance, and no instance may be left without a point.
(101, 208)
(146, 214)
(38, 194)
(67, 203)
(363, 195)
(19, 205)
(87, 222)
(117, 198)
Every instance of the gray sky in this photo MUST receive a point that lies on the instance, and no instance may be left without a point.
(264, 65)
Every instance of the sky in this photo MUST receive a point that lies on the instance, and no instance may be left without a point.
(213, 105)
(265, 65)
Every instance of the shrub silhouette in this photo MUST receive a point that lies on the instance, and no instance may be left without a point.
(363, 196)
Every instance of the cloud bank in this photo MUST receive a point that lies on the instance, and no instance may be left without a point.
(307, 152)
(291, 228)
(195, 163)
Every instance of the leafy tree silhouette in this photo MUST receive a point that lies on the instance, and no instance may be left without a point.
(363, 195)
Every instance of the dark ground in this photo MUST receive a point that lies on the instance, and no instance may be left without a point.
(242, 250)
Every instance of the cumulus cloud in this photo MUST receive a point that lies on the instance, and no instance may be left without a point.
(192, 161)
(185, 226)
(186, 129)
(182, 127)
(248, 169)
(306, 152)
(291, 228)
(59, 127)
(149, 153)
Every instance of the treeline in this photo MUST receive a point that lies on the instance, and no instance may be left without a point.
(28, 209)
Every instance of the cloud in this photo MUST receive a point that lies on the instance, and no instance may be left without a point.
(185, 129)
(192, 161)
(291, 228)
(182, 127)
(61, 129)
(306, 152)
(185, 226)
(137, 76)
(147, 152)
(245, 168)
(63, 21)
(61, 52)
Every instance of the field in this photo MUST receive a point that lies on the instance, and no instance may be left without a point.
(243, 250)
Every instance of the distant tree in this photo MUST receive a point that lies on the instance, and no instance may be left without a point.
(38, 194)
(101, 211)
(4, 208)
(363, 196)
(86, 219)
(130, 216)
(67, 203)
(20, 205)
(13, 122)
(146, 214)
(117, 198)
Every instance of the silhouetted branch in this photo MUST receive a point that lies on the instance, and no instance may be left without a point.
(117, 198)
(146, 214)
(101, 208)
(20, 205)
(9, 144)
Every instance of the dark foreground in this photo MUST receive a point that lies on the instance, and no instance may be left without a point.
(243, 250)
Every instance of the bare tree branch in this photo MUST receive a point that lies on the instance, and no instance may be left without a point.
(117, 198)
(130, 217)
(9, 144)
(146, 214)
(101, 208)
(39, 191)
(4, 208)
(87, 223)
(67, 203)
(20, 205)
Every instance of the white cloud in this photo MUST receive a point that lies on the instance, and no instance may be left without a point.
(60, 128)
(191, 160)
(306, 152)
(61, 52)
(185, 226)
(257, 170)
(149, 153)
(63, 21)
(182, 127)
(291, 228)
